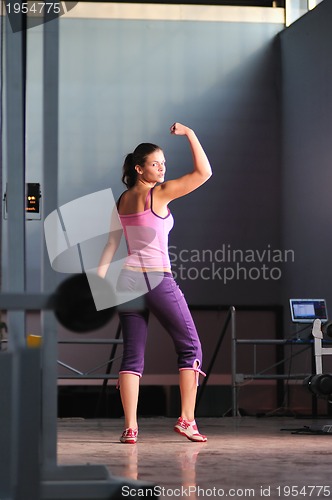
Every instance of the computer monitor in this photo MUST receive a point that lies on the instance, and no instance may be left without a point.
(307, 310)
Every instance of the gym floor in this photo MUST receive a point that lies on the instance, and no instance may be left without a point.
(243, 457)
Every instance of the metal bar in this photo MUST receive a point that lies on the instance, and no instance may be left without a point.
(254, 376)
(27, 302)
(70, 368)
(108, 363)
(100, 376)
(233, 360)
(2, 204)
(15, 129)
(86, 374)
(279, 341)
(6, 398)
(326, 351)
(214, 356)
(108, 371)
(115, 341)
(18, 478)
(50, 203)
(281, 362)
(92, 341)
(28, 430)
(271, 341)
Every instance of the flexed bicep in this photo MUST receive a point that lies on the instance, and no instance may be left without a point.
(201, 172)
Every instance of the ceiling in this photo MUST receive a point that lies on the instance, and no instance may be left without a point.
(241, 3)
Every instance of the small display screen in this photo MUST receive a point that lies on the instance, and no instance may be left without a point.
(307, 310)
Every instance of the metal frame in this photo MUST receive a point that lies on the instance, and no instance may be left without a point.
(230, 318)
(89, 374)
(239, 378)
(319, 350)
(28, 377)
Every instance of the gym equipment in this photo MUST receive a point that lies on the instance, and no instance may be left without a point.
(320, 385)
(327, 329)
(74, 304)
(28, 377)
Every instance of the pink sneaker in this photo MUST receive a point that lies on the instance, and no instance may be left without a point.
(189, 429)
(129, 436)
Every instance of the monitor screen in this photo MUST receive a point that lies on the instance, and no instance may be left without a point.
(307, 310)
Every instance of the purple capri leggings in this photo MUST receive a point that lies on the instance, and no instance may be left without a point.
(166, 301)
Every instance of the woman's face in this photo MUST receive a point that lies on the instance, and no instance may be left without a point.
(154, 167)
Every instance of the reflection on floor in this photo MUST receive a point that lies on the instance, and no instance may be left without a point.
(244, 456)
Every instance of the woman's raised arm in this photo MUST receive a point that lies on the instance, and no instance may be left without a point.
(201, 172)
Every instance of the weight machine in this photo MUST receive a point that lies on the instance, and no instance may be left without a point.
(28, 376)
(319, 383)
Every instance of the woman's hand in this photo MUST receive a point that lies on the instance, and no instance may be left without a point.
(179, 129)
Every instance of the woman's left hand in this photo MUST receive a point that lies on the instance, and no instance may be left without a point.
(179, 129)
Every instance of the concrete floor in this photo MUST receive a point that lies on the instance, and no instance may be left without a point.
(244, 456)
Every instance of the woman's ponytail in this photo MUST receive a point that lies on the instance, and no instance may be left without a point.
(129, 175)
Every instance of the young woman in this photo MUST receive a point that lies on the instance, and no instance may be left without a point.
(147, 220)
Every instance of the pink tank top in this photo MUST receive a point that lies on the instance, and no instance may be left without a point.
(146, 235)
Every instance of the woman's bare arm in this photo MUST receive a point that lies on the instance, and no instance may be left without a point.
(201, 172)
(111, 245)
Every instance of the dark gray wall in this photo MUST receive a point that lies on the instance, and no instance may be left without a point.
(306, 49)
(123, 82)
